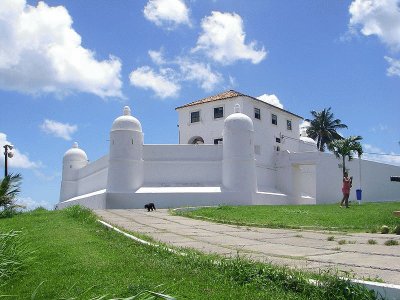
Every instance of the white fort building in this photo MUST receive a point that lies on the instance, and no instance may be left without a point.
(233, 149)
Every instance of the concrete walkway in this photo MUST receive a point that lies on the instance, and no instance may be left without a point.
(309, 250)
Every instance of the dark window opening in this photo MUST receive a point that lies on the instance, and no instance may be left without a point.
(218, 112)
(278, 140)
(289, 125)
(195, 117)
(257, 113)
(274, 119)
(217, 141)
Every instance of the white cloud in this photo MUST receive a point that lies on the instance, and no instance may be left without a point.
(377, 17)
(394, 66)
(57, 129)
(379, 128)
(161, 83)
(157, 56)
(223, 40)
(19, 160)
(375, 154)
(40, 52)
(271, 99)
(29, 204)
(167, 13)
(303, 127)
(200, 73)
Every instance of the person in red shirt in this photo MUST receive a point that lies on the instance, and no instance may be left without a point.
(347, 183)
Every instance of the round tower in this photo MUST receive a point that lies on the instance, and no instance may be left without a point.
(125, 170)
(73, 160)
(238, 164)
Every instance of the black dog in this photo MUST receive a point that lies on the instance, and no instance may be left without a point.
(150, 207)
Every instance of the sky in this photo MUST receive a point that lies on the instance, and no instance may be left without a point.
(67, 69)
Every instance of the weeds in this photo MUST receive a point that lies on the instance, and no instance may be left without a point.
(372, 242)
(391, 243)
(342, 242)
(14, 255)
(331, 238)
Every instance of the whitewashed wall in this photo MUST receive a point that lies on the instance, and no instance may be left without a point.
(93, 177)
(375, 180)
(180, 165)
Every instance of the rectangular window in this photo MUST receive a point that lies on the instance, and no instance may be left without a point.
(278, 140)
(289, 125)
(257, 113)
(274, 119)
(195, 116)
(217, 141)
(218, 112)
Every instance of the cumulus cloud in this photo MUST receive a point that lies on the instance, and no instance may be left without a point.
(57, 129)
(394, 66)
(271, 99)
(167, 13)
(40, 52)
(200, 73)
(19, 160)
(29, 204)
(377, 17)
(160, 83)
(223, 40)
(376, 154)
(157, 56)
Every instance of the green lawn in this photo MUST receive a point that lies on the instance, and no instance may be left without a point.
(75, 257)
(367, 217)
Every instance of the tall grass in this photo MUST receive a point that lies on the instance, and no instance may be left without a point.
(14, 255)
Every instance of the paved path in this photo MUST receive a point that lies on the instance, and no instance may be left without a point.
(309, 250)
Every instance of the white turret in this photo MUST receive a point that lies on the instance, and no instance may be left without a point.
(73, 160)
(125, 171)
(238, 165)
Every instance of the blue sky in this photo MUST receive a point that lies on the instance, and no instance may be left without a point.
(67, 68)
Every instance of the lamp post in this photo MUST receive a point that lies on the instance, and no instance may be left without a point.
(7, 154)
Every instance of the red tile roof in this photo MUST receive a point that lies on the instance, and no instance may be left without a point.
(231, 94)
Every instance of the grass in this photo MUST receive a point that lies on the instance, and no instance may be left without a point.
(76, 258)
(368, 217)
(391, 243)
(372, 242)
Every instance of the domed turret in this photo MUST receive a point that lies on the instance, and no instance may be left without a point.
(73, 160)
(126, 122)
(125, 171)
(238, 165)
(75, 154)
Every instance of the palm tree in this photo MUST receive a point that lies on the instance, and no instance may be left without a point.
(323, 128)
(346, 147)
(9, 189)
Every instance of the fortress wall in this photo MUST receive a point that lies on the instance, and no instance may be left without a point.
(93, 177)
(375, 180)
(180, 165)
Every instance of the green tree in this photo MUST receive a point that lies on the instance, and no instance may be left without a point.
(346, 147)
(9, 190)
(323, 128)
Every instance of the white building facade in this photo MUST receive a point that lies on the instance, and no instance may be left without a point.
(233, 149)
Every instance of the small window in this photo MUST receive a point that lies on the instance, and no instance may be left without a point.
(218, 112)
(195, 116)
(257, 113)
(278, 140)
(274, 119)
(217, 141)
(289, 125)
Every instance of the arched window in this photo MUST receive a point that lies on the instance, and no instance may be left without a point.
(196, 140)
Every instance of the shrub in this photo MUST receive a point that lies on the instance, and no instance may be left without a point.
(384, 229)
(372, 242)
(397, 229)
(331, 238)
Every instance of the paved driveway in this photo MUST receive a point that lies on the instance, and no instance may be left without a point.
(302, 249)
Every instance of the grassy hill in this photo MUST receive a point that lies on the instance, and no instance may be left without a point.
(68, 255)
